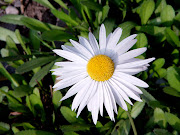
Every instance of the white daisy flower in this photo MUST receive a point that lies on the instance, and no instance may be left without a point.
(101, 74)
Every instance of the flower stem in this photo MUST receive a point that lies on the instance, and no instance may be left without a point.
(132, 123)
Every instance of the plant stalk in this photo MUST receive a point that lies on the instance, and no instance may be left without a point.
(132, 123)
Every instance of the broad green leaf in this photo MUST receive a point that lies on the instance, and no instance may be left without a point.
(10, 43)
(71, 133)
(160, 4)
(171, 91)
(161, 132)
(137, 108)
(25, 125)
(122, 128)
(75, 127)
(109, 25)
(159, 118)
(14, 129)
(4, 127)
(22, 91)
(4, 52)
(92, 5)
(35, 42)
(126, 27)
(35, 24)
(37, 106)
(18, 107)
(173, 120)
(147, 96)
(56, 99)
(12, 58)
(70, 116)
(175, 56)
(12, 19)
(5, 32)
(10, 96)
(64, 17)
(158, 63)
(173, 77)
(167, 15)
(105, 12)
(146, 10)
(34, 132)
(61, 3)
(40, 74)
(34, 63)
(172, 38)
(161, 72)
(141, 41)
(45, 3)
(177, 20)
(8, 76)
(155, 21)
(157, 104)
(2, 95)
(56, 35)
(107, 126)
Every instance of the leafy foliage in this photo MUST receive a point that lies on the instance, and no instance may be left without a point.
(29, 105)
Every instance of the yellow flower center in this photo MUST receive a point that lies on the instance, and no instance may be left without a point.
(100, 68)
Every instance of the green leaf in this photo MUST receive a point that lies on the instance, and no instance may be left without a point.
(159, 118)
(4, 127)
(18, 107)
(2, 95)
(172, 38)
(105, 12)
(8, 76)
(22, 91)
(35, 24)
(70, 116)
(45, 3)
(5, 32)
(92, 5)
(161, 72)
(158, 63)
(137, 108)
(25, 125)
(64, 17)
(35, 42)
(167, 15)
(177, 20)
(62, 4)
(173, 77)
(10, 43)
(161, 132)
(34, 132)
(173, 120)
(147, 96)
(75, 127)
(34, 63)
(12, 58)
(146, 10)
(160, 4)
(126, 27)
(109, 25)
(56, 35)
(141, 41)
(175, 56)
(56, 99)
(171, 91)
(37, 106)
(122, 128)
(12, 19)
(40, 74)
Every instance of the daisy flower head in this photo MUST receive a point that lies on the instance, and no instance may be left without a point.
(101, 74)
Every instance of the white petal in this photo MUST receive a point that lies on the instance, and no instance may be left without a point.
(112, 97)
(130, 86)
(81, 49)
(131, 70)
(107, 102)
(72, 73)
(131, 54)
(101, 95)
(94, 43)
(95, 108)
(69, 81)
(76, 88)
(126, 47)
(88, 95)
(83, 41)
(136, 63)
(70, 64)
(108, 37)
(102, 37)
(113, 40)
(119, 90)
(68, 55)
(134, 80)
(119, 99)
(69, 48)
(80, 95)
(124, 42)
